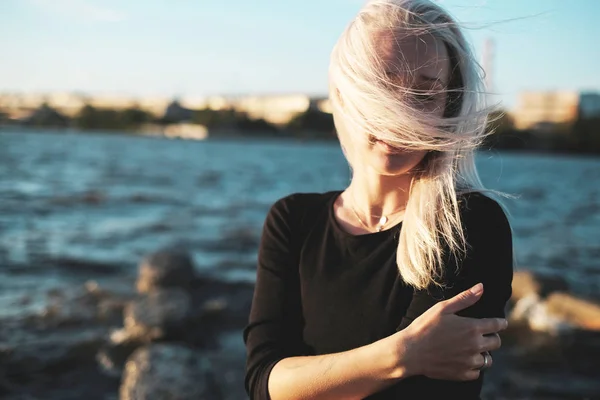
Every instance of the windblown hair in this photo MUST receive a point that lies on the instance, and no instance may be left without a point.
(367, 101)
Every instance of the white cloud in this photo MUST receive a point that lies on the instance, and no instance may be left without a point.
(81, 9)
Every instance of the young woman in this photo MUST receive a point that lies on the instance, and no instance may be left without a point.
(395, 287)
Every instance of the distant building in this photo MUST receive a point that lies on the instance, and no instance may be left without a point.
(277, 110)
(154, 105)
(20, 105)
(324, 105)
(175, 112)
(115, 102)
(589, 105)
(186, 131)
(214, 103)
(544, 110)
(68, 104)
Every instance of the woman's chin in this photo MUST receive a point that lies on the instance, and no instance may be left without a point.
(391, 170)
(400, 163)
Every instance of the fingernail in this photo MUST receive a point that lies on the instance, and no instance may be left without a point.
(477, 289)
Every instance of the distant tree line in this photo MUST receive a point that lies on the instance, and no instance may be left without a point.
(219, 122)
(582, 136)
(90, 117)
(231, 120)
(313, 120)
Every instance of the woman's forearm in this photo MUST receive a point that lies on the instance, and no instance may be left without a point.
(349, 375)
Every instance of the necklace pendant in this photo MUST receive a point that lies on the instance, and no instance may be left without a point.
(382, 222)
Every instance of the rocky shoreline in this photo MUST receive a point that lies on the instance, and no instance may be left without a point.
(94, 343)
(551, 349)
(178, 336)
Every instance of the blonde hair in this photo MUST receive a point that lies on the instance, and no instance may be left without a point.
(365, 101)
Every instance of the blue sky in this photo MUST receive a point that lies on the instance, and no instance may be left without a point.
(204, 47)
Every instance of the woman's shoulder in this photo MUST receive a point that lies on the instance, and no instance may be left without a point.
(485, 224)
(294, 207)
(303, 200)
(479, 208)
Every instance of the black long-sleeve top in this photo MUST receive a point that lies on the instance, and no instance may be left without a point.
(322, 290)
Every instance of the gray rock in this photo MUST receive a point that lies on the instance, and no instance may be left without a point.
(80, 306)
(166, 268)
(29, 353)
(114, 353)
(228, 359)
(159, 315)
(162, 315)
(551, 385)
(581, 350)
(169, 372)
(109, 310)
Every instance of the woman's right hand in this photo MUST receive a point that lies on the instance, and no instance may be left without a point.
(442, 345)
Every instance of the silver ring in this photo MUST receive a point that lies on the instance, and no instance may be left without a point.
(485, 361)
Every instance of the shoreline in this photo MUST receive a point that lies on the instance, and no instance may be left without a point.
(61, 353)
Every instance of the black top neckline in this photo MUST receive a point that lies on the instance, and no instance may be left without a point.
(334, 222)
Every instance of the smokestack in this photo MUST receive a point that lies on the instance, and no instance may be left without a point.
(488, 64)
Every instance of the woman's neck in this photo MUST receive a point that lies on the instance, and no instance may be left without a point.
(374, 195)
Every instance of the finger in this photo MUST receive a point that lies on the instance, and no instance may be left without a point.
(462, 300)
(490, 325)
(490, 343)
(470, 375)
(477, 361)
(489, 363)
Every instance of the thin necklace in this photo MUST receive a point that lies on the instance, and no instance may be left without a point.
(382, 221)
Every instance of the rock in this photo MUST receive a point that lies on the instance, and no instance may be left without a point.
(160, 315)
(582, 351)
(531, 350)
(527, 282)
(524, 306)
(227, 359)
(524, 284)
(71, 308)
(581, 313)
(216, 305)
(52, 363)
(534, 385)
(31, 353)
(113, 354)
(92, 287)
(543, 304)
(534, 312)
(81, 306)
(110, 310)
(166, 268)
(167, 371)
